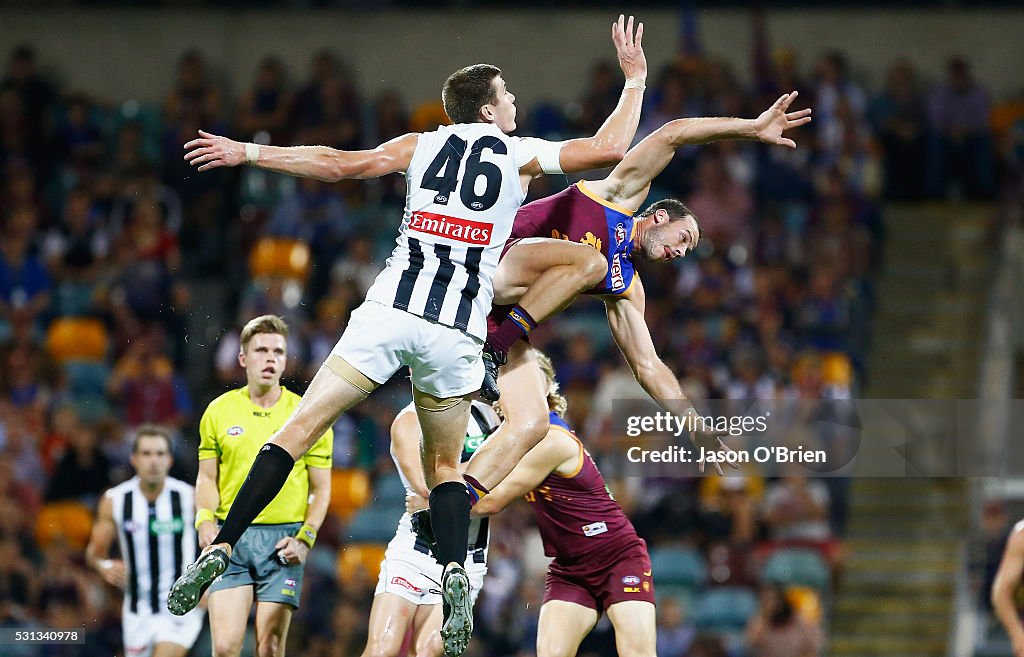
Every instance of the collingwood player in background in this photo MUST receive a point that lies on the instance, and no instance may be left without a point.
(151, 516)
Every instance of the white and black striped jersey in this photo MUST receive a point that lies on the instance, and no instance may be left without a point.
(463, 193)
(158, 539)
(482, 423)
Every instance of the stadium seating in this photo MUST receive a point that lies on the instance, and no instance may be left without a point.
(389, 490)
(374, 524)
(678, 566)
(286, 258)
(77, 338)
(350, 489)
(725, 609)
(65, 520)
(796, 566)
(365, 557)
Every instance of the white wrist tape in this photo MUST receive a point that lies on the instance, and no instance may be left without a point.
(635, 83)
(252, 153)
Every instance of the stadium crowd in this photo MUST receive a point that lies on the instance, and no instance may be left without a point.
(111, 243)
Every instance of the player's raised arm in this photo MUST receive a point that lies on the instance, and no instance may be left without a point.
(211, 151)
(610, 143)
(628, 182)
(630, 331)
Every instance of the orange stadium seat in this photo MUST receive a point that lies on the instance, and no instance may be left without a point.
(286, 258)
(67, 520)
(836, 369)
(77, 338)
(360, 561)
(428, 116)
(350, 490)
(806, 602)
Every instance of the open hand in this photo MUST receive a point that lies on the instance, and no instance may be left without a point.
(709, 439)
(112, 571)
(775, 120)
(628, 48)
(211, 151)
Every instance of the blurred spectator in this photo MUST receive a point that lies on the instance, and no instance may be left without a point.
(675, 631)
(357, 266)
(83, 473)
(722, 205)
(776, 630)
(35, 96)
(327, 108)
(144, 383)
(267, 105)
(961, 150)
(24, 281)
(838, 102)
(899, 118)
(599, 98)
(194, 99)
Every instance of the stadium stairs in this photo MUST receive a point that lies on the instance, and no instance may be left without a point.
(906, 535)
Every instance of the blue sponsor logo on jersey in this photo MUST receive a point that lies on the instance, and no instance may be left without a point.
(236, 431)
(630, 580)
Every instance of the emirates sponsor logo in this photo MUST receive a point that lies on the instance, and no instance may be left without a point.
(401, 581)
(461, 230)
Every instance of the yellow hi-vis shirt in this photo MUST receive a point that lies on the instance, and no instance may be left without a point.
(233, 430)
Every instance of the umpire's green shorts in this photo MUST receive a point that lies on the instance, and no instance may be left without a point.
(254, 563)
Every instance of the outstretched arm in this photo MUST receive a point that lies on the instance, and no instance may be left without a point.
(552, 453)
(610, 143)
(633, 337)
(321, 162)
(628, 183)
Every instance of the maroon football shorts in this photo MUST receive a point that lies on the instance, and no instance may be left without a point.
(600, 583)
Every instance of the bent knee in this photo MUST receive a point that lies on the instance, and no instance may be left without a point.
(224, 648)
(382, 649)
(555, 647)
(594, 267)
(272, 647)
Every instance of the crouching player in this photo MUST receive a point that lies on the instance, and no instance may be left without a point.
(600, 564)
(407, 595)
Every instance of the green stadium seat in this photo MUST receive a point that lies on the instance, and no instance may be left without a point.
(725, 609)
(678, 566)
(796, 566)
(389, 490)
(374, 524)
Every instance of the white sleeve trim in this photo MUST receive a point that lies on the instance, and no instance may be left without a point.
(548, 153)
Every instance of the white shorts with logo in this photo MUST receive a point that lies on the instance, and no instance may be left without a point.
(444, 361)
(142, 631)
(412, 575)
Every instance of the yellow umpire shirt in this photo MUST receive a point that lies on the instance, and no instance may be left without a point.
(233, 430)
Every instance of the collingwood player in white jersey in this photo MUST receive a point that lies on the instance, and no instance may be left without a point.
(406, 594)
(151, 516)
(427, 309)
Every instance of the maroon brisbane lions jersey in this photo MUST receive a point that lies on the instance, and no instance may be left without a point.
(578, 215)
(577, 517)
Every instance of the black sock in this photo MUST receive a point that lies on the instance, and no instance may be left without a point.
(449, 515)
(266, 477)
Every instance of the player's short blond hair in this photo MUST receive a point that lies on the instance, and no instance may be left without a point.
(262, 324)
